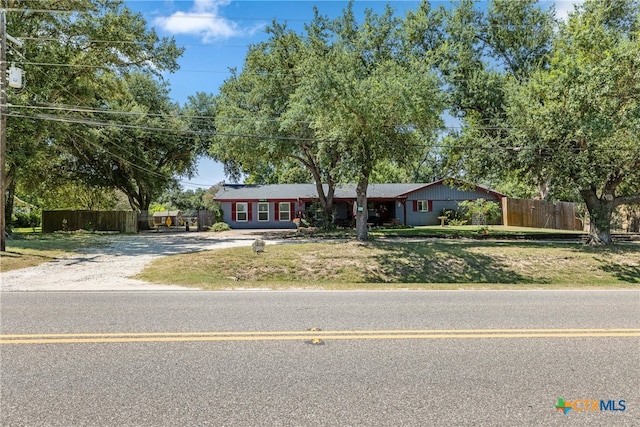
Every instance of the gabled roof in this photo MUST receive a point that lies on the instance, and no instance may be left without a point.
(308, 191)
(461, 184)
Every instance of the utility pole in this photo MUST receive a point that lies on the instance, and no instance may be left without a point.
(3, 127)
(15, 80)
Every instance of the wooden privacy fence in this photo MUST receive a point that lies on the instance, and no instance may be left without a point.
(540, 214)
(122, 221)
(205, 219)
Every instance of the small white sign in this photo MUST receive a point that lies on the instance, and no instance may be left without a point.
(15, 77)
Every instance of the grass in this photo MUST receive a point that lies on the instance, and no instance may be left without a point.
(494, 231)
(27, 230)
(381, 264)
(28, 249)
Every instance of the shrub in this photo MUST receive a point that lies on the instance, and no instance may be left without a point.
(27, 219)
(220, 226)
(454, 217)
(457, 222)
(480, 211)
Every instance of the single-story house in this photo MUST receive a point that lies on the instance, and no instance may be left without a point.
(277, 205)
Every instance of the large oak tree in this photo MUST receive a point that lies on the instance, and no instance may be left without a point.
(252, 135)
(364, 93)
(580, 117)
(339, 99)
(76, 57)
(543, 102)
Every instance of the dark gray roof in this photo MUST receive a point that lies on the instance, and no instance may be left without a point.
(308, 191)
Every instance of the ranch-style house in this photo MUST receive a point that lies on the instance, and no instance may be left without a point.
(277, 205)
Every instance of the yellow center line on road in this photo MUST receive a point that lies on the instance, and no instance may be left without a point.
(309, 335)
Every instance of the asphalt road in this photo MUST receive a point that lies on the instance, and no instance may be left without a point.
(384, 358)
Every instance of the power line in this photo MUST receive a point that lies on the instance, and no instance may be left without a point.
(184, 15)
(114, 65)
(96, 123)
(99, 41)
(64, 89)
(132, 164)
(80, 109)
(119, 157)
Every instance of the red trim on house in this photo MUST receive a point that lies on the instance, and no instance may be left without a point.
(255, 200)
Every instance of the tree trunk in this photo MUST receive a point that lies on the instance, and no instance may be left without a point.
(600, 213)
(140, 202)
(362, 213)
(145, 202)
(326, 202)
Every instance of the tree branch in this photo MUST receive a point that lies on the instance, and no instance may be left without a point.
(627, 200)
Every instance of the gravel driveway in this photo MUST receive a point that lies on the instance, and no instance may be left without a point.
(110, 267)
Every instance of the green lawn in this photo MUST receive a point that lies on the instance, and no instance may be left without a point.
(493, 231)
(384, 264)
(27, 249)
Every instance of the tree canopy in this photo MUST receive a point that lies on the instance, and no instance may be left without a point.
(79, 59)
(580, 117)
(251, 135)
(547, 103)
(368, 97)
(141, 149)
(339, 99)
(542, 103)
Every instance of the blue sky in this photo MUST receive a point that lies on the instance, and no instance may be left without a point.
(216, 34)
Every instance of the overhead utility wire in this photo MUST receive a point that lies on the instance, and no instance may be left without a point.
(93, 143)
(132, 164)
(103, 67)
(117, 156)
(104, 124)
(205, 133)
(98, 41)
(185, 15)
(276, 137)
(80, 109)
(205, 15)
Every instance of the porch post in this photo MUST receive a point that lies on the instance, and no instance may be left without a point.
(404, 207)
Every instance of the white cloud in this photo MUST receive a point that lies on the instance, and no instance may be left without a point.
(202, 20)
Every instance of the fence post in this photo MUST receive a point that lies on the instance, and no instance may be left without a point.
(505, 211)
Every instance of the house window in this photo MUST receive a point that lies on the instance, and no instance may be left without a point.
(263, 212)
(423, 206)
(241, 211)
(284, 209)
